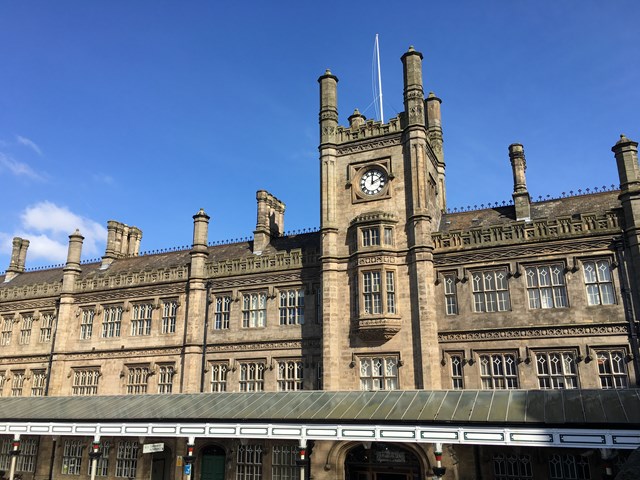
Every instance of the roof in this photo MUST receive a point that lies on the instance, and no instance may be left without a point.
(495, 407)
(552, 418)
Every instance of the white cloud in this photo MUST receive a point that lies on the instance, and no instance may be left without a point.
(17, 168)
(29, 143)
(47, 226)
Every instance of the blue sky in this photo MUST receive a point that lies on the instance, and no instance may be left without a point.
(145, 111)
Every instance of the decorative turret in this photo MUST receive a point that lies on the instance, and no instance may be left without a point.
(328, 128)
(72, 269)
(356, 120)
(413, 93)
(199, 251)
(270, 220)
(521, 198)
(18, 258)
(626, 152)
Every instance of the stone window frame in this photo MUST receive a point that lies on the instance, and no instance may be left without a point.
(46, 326)
(384, 297)
(26, 461)
(137, 378)
(457, 361)
(18, 378)
(290, 374)
(249, 461)
(561, 374)
(248, 381)
(127, 454)
(612, 372)
(508, 466)
(38, 382)
(111, 323)
(222, 310)
(166, 373)
(7, 330)
(552, 291)
(141, 318)
(86, 380)
(250, 314)
(288, 313)
(218, 378)
(72, 453)
(102, 465)
(284, 462)
(88, 316)
(381, 378)
(26, 326)
(482, 295)
(169, 315)
(604, 288)
(449, 280)
(498, 376)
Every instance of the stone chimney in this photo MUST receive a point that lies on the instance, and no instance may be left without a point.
(71, 269)
(357, 120)
(413, 92)
(521, 198)
(270, 221)
(18, 258)
(122, 241)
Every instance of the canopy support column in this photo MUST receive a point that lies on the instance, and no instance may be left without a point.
(15, 451)
(94, 455)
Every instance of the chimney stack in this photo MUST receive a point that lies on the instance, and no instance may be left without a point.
(270, 221)
(18, 258)
(71, 269)
(122, 241)
(413, 92)
(521, 198)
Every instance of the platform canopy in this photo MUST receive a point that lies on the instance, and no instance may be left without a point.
(568, 418)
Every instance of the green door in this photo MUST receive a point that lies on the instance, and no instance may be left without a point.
(212, 467)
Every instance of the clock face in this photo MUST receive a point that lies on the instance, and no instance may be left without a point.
(373, 181)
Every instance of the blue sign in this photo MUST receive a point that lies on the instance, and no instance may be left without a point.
(187, 469)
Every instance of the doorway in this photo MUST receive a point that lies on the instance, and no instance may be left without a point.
(382, 461)
(161, 464)
(213, 463)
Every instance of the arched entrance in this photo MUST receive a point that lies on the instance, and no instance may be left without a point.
(161, 464)
(213, 463)
(382, 461)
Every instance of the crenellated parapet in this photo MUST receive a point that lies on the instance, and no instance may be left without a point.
(260, 264)
(538, 230)
(367, 130)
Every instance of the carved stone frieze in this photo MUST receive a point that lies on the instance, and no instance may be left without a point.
(377, 329)
(513, 252)
(162, 290)
(518, 232)
(40, 304)
(23, 360)
(261, 263)
(274, 345)
(131, 279)
(109, 354)
(534, 332)
(30, 291)
(370, 145)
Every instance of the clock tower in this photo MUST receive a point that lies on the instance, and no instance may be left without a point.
(382, 195)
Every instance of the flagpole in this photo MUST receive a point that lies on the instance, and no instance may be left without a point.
(379, 80)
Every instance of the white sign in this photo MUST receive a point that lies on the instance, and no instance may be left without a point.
(152, 447)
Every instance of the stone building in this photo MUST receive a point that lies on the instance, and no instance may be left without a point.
(399, 339)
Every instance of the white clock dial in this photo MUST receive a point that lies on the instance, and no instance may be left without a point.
(373, 181)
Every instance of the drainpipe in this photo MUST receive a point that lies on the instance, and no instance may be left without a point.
(204, 337)
(628, 307)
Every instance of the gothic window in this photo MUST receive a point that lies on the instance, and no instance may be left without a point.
(72, 457)
(546, 286)
(28, 452)
(252, 376)
(127, 459)
(169, 311)
(102, 466)
(283, 462)
(612, 369)
(165, 378)
(85, 381)
(86, 325)
(249, 462)
(141, 319)
(38, 382)
(512, 467)
(222, 312)
(25, 328)
(388, 236)
(111, 321)
(556, 370)
(292, 307)
(450, 294)
(457, 371)
(137, 379)
(3, 379)
(46, 327)
(17, 383)
(378, 292)
(370, 236)
(379, 373)
(254, 310)
(5, 456)
(569, 467)
(290, 375)
(7, 327)
(490, 291)
(598, 281)
(498, 371)
(219, 377)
